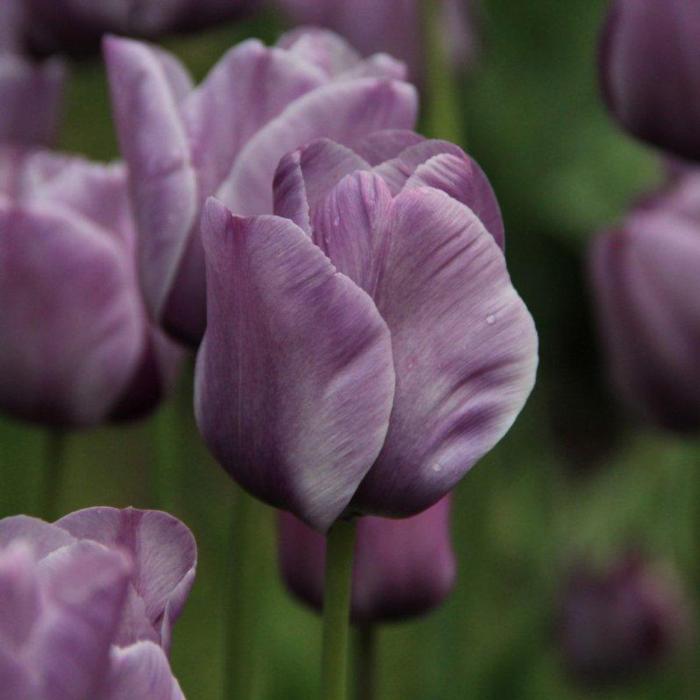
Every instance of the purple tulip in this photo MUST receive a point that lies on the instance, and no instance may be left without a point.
(362, 356)
(226, 137)
(402, 568)
(76, 348)
(393, 26)
(644, 275)
(615, 625)
(81, 600)
(650, 71)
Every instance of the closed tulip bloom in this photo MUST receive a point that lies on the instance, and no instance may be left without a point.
(617, 624)
(365, 351)
(402, 568)
(76, 347)
(226, 137)
(650, 71)
(644, 276)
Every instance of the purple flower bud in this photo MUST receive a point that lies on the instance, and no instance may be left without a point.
(79, 600)
(76, 348)
(364, 352)
(644, 276)
(650, 71)
(615, 625)
(402, 568)
(225, 138)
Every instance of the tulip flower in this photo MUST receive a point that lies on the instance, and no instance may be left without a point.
(402, 568)
(650, 71)
(394, 26)
(617, 624)
(226, 137)
(644, 276)
(78, 601)
(76, 348)
(364, 352)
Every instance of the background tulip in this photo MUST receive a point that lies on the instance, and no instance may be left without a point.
(620, 623)
(226, 137)
(644, 276)
(650, 71)
(402, 567)
(362, 359)
(76, 348)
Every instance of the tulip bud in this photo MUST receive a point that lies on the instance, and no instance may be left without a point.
(615, 625)
(402, 568)
(645, 279)
(650, 71)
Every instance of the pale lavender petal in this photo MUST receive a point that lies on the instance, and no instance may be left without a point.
(322, 48)
(387, 144)
(43, 537)
(464, 346)
(140, 672)
(19, 595)
(344, 112)
(294, 379)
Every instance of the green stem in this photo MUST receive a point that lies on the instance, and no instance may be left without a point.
(340, 550)
(166, 428)
(366, 655)
(54, 463)
(443, 117)
(247, 570)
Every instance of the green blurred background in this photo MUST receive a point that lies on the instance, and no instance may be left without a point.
(575, 477)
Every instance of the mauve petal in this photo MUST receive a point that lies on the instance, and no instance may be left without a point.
(43, 537)
(84, 587)
(140, 672)
(163, 551)
(464, 346)
(322, 48)
(342, 111)
(306, 176)
(31, 98)
(19, 595)
(68, 350)
(294, 380)
(162, 178)
(387, 144)
(12, 26)
(15, 679)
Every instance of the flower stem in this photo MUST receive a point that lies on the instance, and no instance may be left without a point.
(340, 551)
(165, 477)
(442, 112)
(366, 655)
(54, 463)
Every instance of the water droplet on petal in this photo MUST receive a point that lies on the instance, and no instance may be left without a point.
(491, 319)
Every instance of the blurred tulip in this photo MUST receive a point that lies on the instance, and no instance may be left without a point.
(402, 568)
(362, 356)
(650, 71)
(644, 276)
(76, 348)
(81, 599)
(394, 26)
(618, 624)
(226, 137)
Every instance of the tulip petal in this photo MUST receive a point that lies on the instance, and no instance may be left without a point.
(19, 595)
(465, 352)
(16, 680)
(384, 145)
(141, 672)
(341, 111)
(43, 537)
(321, 48)
(308, 359)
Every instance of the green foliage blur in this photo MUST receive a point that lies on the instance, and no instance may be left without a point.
(576, 477)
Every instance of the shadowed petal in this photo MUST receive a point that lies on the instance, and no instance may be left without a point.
(16, 680)
(465, 352)
(294, 379)
(43, 537)
(19, 595)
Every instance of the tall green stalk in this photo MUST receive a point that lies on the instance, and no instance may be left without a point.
(366, 668)
(340, 552)
(54, 468)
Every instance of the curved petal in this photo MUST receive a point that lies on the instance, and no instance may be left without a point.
(163, 550)
(19, 595)
(141, 672)
(321, 48)
(343, 111)
(384, 145)
(465, 352)
(294, 380)
(17, 682)
(43, 537)
(68, 350)
(154, 144)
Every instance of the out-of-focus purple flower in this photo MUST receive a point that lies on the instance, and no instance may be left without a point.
(226, 137)
(394, 26)
(620, 623)
(364, 352)
(82, 600)
(644, 275)
(402, 568)
(76, 347)
(650, 71)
